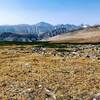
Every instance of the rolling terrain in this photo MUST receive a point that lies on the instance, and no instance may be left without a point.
(86, 35)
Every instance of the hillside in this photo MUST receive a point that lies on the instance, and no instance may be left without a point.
(90, 34)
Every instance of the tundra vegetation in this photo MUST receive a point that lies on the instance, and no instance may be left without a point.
(48, 71)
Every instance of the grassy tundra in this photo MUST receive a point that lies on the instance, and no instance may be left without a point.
(46, 71)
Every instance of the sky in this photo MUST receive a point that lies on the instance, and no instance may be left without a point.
(51, 11)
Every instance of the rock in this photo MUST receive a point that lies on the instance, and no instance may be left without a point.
(96, 96)
(49, 94)
(26, 65)
(29, 94)
(91, 56)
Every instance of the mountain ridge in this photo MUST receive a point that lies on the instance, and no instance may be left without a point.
(31, 29)
(40, 31)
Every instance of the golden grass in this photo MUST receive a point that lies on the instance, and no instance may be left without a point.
(74, 78)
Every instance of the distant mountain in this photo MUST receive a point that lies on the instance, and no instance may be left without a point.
(27, 29)
(38, 31)
(38, 28)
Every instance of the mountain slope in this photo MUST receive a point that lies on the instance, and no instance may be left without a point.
(59, 29)
(90, 34)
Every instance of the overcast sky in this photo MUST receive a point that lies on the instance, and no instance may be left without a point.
(51, 11)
